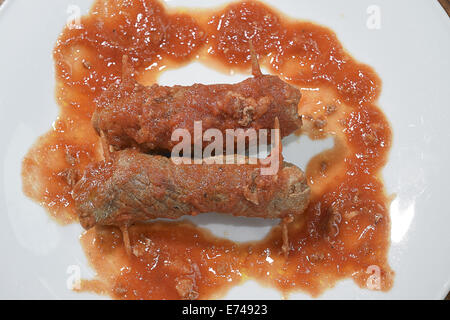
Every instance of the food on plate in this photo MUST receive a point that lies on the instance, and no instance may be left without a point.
(129, 114)
(135, 187)
(344, 231)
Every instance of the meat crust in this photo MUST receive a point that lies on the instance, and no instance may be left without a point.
(133, 187)
(129, 114)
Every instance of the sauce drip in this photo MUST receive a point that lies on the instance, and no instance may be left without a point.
(343, 233)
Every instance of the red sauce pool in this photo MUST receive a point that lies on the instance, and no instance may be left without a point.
(345, 230)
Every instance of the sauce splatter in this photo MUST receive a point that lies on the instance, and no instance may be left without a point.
(345, 230)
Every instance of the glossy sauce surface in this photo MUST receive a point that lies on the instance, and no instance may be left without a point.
(345, 230)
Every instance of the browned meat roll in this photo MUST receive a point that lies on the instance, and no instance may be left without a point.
(133, 187)
(132, 115)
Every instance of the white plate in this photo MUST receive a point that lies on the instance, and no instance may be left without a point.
(410, 52)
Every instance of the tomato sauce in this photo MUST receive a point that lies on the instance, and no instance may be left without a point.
(345, 230)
